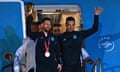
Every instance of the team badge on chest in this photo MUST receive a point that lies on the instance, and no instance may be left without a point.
(74, 36)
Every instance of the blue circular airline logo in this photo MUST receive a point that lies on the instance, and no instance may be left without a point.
(106, 43)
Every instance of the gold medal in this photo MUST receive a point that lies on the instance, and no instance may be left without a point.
(47, 54)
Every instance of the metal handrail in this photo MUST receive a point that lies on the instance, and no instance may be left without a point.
(98, 61)
(7, 66)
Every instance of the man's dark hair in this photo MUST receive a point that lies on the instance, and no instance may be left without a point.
(70, 19)
(46, 18)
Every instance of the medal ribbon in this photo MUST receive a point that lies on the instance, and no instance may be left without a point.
(47, 45)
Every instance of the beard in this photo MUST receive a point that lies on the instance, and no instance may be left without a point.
(47, 30)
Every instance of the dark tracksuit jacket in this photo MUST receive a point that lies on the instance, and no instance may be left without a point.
(29, 20)
(44, 64)
(71, 47)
